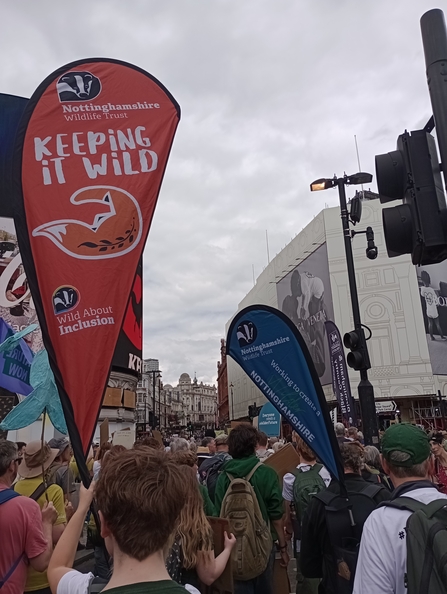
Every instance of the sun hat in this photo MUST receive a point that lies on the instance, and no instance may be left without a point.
(221, 439)
(59, 443)
(408, 439)
(35, 458)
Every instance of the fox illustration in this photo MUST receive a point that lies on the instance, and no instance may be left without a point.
(115, 228)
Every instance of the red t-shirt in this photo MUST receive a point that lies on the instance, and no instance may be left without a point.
(21, 532)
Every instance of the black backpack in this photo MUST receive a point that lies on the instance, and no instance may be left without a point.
(345, 518)
(209, 471)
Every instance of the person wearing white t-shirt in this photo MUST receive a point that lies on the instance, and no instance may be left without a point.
(307, 460)
(382, 562)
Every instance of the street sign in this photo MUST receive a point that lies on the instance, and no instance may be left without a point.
(387, 406)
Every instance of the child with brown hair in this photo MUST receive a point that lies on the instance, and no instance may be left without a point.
(140, 494)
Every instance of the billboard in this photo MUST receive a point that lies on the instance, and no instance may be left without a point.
(432, 281)
(128, 352)
(305, 296)
(16, 304)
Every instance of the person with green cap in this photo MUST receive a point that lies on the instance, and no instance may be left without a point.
(382, 562)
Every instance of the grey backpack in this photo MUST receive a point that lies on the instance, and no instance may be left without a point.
(426, 545)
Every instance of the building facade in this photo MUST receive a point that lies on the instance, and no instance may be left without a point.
(190, 403)
(408, 353)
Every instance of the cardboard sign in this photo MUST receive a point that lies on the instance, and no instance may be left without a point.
(124, 437)
(284, 461)
(157, 435)
(281, 582)
(224, 584)
(104, 432)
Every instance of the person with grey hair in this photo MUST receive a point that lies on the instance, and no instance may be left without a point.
(382, 562)
(372, 457)
(340, 433)
(179, 444)
(26, 529)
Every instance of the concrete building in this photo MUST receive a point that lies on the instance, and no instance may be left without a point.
(408, 366)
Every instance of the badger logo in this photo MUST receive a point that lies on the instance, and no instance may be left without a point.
(78, 86)
(246, 333)
(65, 299)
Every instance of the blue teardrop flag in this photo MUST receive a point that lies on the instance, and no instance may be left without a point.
(270, 349)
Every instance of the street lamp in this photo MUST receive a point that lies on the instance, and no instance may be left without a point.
(355, 340)
(232, 403)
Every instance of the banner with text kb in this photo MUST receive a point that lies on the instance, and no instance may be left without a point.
(270, 349)
(90, 155)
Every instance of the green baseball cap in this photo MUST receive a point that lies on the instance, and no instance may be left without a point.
(406, 438)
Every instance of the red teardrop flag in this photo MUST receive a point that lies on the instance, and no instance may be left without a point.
(90, 157)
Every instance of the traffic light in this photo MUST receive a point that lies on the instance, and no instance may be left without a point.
(412, 174)
(358, 358)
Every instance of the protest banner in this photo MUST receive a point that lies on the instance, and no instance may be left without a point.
(90, 155)
(270, 349)
(340, 377)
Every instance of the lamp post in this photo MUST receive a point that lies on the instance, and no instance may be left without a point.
(356, 341)
(232, 403)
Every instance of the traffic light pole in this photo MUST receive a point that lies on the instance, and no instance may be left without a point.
(365, 388)
(434, 40)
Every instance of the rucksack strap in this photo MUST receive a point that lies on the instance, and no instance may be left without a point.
(372, 490)
(434, 507)
(8, 494)
(96, 585)
(10, 571)
(326, 497)
(38, 492)
(252, 471)
(405, 503)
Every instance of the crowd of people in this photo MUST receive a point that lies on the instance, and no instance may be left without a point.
(148, 513)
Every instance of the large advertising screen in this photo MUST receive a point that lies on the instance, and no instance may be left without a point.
(432, 282)
(305, 296)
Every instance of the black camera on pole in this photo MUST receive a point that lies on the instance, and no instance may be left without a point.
(412, 174)
(358, 358)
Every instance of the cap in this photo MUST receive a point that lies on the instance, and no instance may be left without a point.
(408, 439)
(59, 443)
(221, 439)
(36, 459)
(437, 438)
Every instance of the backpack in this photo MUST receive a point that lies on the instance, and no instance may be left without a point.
(254, 542)
(209, 472)
(306, 484)
(5, 496)
(344, 520)
(426, 537)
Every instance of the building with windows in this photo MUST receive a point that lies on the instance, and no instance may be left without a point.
(150, 396)
(190, 403)
(404, 307)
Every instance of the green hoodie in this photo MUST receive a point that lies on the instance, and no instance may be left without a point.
(264, 481)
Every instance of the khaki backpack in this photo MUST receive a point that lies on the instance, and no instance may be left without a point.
(254, 544)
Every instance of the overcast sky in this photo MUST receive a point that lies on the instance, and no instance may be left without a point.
(272, 94)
